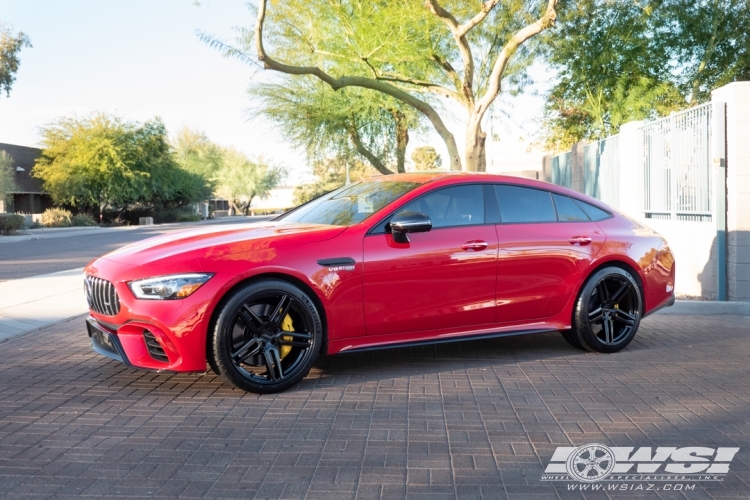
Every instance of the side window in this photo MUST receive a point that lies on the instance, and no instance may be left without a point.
(453, 206)
(568, 210)
(594, 213)
(522, 204)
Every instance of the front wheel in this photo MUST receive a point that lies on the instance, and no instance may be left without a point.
(267, 336)
(608, 311)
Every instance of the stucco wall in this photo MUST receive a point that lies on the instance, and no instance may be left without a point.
(737, 98)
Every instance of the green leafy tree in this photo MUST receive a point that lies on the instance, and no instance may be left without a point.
(195, 153)
(333, 124)
(10, 45)
(709, 39)
(102, 161)
(240, 180)
(426, 158)
(414, 52)
(7, 176)
(620, 60)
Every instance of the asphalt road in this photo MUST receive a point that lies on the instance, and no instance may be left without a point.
(23, 259)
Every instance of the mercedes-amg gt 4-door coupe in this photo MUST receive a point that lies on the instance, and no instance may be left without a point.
(392, 261)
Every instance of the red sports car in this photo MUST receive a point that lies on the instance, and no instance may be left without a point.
(392, 261)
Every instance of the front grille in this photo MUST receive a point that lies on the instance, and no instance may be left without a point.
(154, 347)
(102, 296)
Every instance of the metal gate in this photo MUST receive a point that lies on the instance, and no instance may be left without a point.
(677, 166)
(562, 170)
(601, 174)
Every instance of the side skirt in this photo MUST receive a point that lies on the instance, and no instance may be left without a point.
(443, 340)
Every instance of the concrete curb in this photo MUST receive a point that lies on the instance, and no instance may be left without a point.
(707, 308)
(44, 327)
(61, 232)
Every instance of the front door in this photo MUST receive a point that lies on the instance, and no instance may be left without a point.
(444, 278)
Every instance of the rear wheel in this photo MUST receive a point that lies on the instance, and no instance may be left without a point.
(267, 337)
(608, 311)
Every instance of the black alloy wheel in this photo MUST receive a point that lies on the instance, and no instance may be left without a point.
(266, 337)
(608, 311)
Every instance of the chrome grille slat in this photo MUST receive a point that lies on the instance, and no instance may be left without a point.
(98, 296)
(113, 300)
(102, 296)
(108, 302)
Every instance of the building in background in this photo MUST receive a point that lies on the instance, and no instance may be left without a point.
(514, 157)
(28, 197)
(279, 200)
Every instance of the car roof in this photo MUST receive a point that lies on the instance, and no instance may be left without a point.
(430, 177)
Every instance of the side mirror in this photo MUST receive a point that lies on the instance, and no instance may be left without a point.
(409, 222)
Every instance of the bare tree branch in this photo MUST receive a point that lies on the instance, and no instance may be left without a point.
(423, 86)
(486, 9)
(362, 150)
(357, 81)
(493, 87)
(463, 48)
(450, 70)
(426, 86)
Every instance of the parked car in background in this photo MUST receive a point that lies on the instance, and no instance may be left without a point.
(387, 262)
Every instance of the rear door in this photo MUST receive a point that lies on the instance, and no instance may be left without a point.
(546, 242)
(443, 278)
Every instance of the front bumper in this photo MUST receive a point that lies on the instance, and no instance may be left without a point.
(137, 344)
(105, 342)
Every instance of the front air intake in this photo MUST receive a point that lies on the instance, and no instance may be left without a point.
(154, 347)
(102, 296)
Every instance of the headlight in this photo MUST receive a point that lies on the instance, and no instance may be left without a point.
(176, 286)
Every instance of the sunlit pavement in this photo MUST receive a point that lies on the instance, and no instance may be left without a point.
(468, 420)
(31, 303)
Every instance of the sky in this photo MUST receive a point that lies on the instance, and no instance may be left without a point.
(141, 59)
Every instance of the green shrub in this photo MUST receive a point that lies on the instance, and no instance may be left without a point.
(179, 214)
(186, 217)
(57, 217)
(83, 220)
(10, 223)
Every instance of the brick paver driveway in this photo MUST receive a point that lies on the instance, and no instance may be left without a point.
(470, 420)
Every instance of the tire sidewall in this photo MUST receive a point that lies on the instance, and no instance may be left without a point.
(582, 329)
(221, 333)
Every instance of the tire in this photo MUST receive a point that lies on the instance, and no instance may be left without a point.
(266, 337)
(570, 338)
(608, 311)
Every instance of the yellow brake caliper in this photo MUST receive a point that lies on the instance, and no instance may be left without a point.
(287, 326)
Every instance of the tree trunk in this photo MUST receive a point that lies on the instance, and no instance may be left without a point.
(476, 157)
(234, 208)
(402, 140)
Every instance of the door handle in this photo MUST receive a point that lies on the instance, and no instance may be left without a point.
(580, 240)
(475, 245)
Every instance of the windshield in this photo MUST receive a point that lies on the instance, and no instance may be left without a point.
(350, 204)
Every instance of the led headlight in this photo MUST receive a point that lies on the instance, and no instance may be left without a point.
(175, 286)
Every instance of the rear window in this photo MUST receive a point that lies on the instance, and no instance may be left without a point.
(568, 210)
(594, 213)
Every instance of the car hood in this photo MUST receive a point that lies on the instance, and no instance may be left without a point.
(222, 241)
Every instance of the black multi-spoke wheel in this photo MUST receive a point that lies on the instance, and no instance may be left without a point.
(266, 337)
(608, 311)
